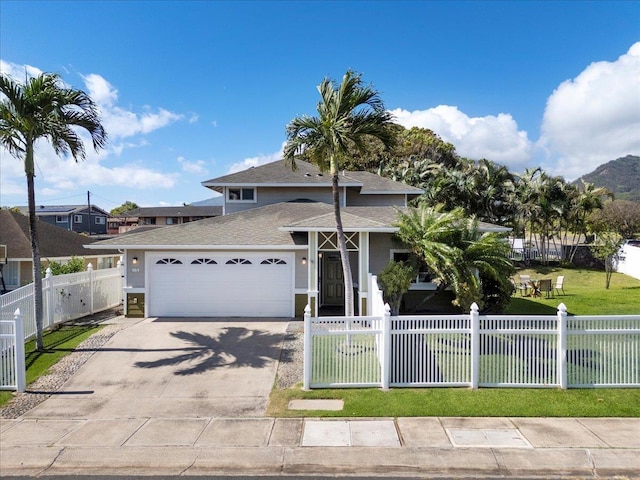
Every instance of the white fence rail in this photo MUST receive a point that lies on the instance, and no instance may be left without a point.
(12, 361)
(66, 297)
(471, 350)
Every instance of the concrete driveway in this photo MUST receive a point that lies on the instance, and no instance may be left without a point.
(175, 367)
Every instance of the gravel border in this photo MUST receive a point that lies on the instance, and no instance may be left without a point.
(59, 373)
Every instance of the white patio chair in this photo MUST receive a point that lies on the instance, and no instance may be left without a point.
(560, 285)
(524, 285)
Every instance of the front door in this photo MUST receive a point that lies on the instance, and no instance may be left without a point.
(332, 279)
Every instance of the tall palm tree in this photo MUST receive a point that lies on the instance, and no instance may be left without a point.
(42, 107)
(348, 115)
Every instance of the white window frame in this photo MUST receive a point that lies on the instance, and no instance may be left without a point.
(76, 217)
(242, 191)
(419, 283)
(61, 219)
(100, 220)
(171, 221)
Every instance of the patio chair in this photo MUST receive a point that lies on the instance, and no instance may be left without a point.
(524, 285)
(545, 286)
(560, 285)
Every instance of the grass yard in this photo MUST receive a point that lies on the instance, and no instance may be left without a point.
(57, 344)
(585, 295)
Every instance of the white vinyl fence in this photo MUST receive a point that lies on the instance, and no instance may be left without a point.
(64, 297)
(471, 350)
(629, 261)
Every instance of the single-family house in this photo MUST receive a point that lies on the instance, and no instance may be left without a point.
(274, 249)
(56, 244)
(173, 215)
(121, 224)
(88, 219)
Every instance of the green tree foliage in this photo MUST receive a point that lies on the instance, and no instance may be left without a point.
(74, 265)
(621, 216)
(127, 206)
(395, 280)
(349, 114)
(44, 108)
(607, 248)
(474, 265)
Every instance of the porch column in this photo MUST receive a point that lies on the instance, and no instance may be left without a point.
(312, 272)
(363, 272)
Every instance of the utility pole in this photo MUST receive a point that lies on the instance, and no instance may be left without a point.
(89, 206)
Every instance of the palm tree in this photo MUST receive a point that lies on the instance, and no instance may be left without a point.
(43, 107)
(348, 115)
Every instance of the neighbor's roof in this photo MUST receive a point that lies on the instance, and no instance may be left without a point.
(61, 209)
(180, 211)
(279, 174)
(54, 241)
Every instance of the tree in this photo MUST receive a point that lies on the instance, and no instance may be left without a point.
(459, 255)
(43, 108)
(395, 280)
(607, 248)
(621, 216)
(348, 115)
(127, 206)
(74, 265)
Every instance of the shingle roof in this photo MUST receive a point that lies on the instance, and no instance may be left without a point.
(183, 211)
(54, 241)
(272, 225)
(278, 173)
(60, 209)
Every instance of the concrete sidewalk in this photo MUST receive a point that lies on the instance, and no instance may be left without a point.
(425, 447)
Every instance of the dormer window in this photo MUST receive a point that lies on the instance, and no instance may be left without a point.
(241, 195)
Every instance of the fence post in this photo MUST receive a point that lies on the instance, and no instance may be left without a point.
(475, 345)
(91, 286)
(20, 364)
(308, 357)
(386, 347)
(51, 301)
(562, 346)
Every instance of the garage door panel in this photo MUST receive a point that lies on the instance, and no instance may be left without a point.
(195, 288)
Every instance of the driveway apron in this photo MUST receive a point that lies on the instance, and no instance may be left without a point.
(175, 367)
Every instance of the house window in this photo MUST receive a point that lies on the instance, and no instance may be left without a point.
(149, 221)
(99, 220)
(169, 261)
(241, 195)
(273, 261)
(238, 261)
(204, 261)
(77, 219)
(423, 280)
(60, 219)
(172, 220)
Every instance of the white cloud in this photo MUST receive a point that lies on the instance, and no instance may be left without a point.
(594, 117)
(256, 161)
(197, 167)
(18, 72)
(496, 138)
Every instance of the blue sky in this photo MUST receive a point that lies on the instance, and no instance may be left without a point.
(191, 90)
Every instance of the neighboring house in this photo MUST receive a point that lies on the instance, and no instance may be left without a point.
(161, 216)
(121, 224)
(87, 219)
(56, 244)
(273, 251)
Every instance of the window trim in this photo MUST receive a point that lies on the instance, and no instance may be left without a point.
(76, 216)
(61, 219)
(100, 220)
(242, 199)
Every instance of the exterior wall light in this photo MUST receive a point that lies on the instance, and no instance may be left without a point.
(135, 260)
(304, 260)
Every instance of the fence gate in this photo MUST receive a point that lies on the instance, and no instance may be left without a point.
(12, 363)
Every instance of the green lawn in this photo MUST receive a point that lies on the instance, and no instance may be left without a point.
(585, 295)
(57, 344)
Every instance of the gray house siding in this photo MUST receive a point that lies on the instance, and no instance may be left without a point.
(355, 199)
(270, 195)
(379, 246)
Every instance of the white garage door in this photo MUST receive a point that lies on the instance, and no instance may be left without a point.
(205, 284)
